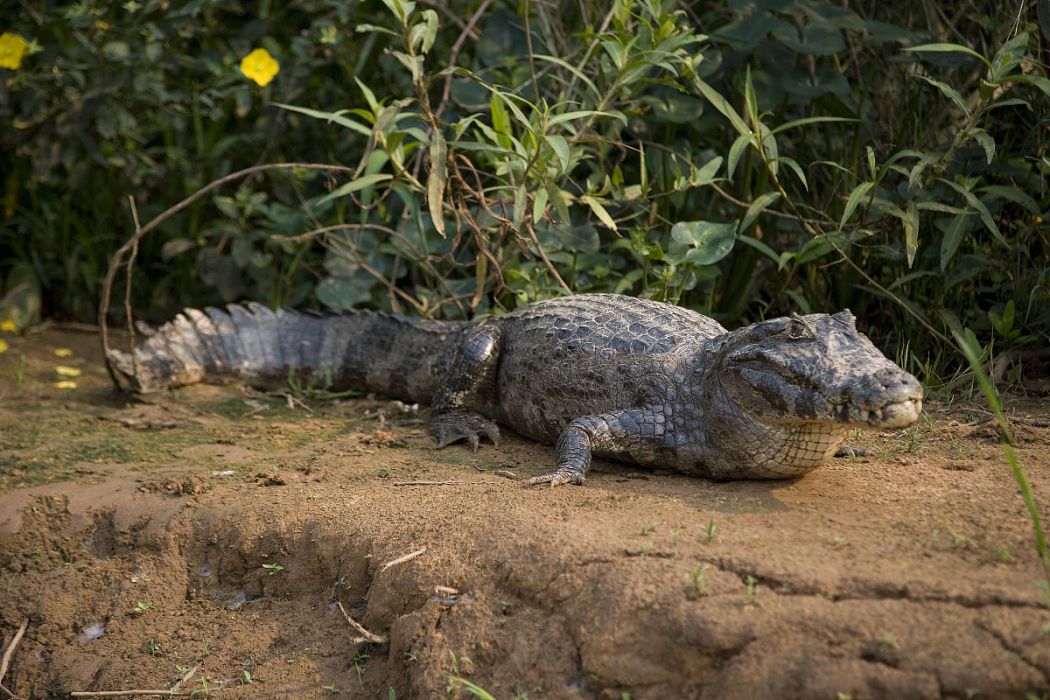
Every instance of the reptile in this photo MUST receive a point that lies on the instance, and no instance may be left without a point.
(604, 375)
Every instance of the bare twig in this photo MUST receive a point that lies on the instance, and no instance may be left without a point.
(366, 636)
(454, 54)
(402, 560)
(123, 693)
(140, 231)
(185, 679)
(129, 270)
(174, 691)
(10, 650)
(431, 483)
(10, 695)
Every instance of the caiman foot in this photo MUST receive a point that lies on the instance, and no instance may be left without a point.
(453, 426)
(562, 475)
(851, 451)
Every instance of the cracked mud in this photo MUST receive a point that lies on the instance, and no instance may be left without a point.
(217, 529)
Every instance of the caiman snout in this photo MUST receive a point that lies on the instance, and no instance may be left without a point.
(888, 398)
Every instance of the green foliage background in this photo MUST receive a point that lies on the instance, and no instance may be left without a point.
(744, 159)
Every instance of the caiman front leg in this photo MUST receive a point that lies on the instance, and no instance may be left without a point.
(636, 434)
(468, 388)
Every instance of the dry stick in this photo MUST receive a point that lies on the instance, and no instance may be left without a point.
(10, 650)
(127, 288)
(402, 560)
(433, 483)
(9, 693)
(366, 636)
(454, 54)
(140, 232)
(123, 693)
(185, 679)
(174, 691)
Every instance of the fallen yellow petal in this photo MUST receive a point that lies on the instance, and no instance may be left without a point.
(8, 325)
(63, 352)
(66, 384)
(3, 346)
(64, 371)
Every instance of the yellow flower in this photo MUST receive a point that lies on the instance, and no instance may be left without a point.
(12, 48)
(65, 384)
(3, 346)
(8, 325)
(63, 352)
(64, 371)
(260, 66)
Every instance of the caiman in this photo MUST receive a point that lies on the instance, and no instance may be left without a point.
(637, 381)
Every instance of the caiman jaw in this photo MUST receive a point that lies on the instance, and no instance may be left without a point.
(898, 414)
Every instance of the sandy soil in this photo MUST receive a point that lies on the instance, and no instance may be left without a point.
(215, 530)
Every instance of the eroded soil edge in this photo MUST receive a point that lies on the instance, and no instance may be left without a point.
(217, 529)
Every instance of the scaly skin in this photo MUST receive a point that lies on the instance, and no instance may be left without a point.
(597, 375)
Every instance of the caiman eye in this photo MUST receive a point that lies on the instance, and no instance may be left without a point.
(798, 329)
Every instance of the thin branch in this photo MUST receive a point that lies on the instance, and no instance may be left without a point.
(402, 560)
(434, 483)
(10, 650)
(140, 232)
(127, 287)
(123, 693)
(366, 636)
(453, 56)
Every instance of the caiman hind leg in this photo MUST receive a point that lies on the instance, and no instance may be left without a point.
(468, 389)
(636, 435)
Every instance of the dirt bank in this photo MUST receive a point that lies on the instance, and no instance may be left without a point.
(216, 530)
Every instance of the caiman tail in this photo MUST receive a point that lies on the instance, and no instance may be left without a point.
(398, 356)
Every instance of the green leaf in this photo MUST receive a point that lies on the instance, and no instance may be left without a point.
(761, 247)
(987, 143)
(707, 173)
(750, 100)
(854, 199)
(599, 210)
(577, 73)
(794, 167)
(333, 117)
(756, 208)
(370, 97)
(710, 241)
(1036, 80)
(949, 92)
(722, 105)
(769, 147)
(911, 231)
(561, 148)
(1014, 195)
(355, 186)
(521, 199)
(949, 48)
(369, 28)
(437, 180)
(500, 120)
(737, 150)
(425, 31)
(570, 116)
(872, 169)
(982, 209)
(539, 204)
(810, 120)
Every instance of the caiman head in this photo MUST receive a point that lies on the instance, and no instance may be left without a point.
(816, 369)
